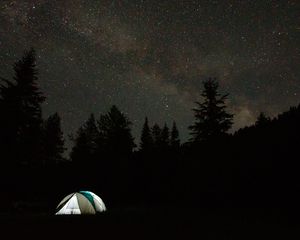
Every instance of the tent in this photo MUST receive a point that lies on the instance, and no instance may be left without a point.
(83, 202)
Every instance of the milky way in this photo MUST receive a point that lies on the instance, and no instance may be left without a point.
(150, 57)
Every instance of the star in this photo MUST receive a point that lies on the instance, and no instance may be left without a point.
(150, 58)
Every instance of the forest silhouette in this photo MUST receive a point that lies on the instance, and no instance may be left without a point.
(257, 166)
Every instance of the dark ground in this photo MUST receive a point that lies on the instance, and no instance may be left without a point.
(180, 223)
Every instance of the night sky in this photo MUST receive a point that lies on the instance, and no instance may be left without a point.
(150, 57)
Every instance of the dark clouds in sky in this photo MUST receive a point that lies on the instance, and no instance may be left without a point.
(150, 57)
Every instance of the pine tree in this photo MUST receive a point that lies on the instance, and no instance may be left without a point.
(146, 143)
(211, 118)
(20, 102)
(53, 140)
(156, 136)
(115, 133)
(174, 141)
(165, 137)
(85, 142)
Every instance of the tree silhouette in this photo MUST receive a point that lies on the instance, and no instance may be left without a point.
(262, 120)
(259, 163)
(211, 118)
(53, 140)
(165, 137)
(156, 135)
(115, 133)
(85, 142)
(21, 112)
(174, 139)
(146, 143)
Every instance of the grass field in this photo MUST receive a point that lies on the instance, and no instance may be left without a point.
(162, 223)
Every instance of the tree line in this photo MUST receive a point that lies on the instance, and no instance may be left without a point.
(213, 167)
(27, 139)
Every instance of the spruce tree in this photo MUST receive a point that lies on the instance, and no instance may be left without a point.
(211, 117)
(146, 143)
(115, 133)
(165, 137)
(53, 140)
(21, 123)
(156, 135)
(174, 141)
(85, 142)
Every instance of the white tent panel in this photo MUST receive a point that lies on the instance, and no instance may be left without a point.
(65, 200)
(71, 207)
(99, 204)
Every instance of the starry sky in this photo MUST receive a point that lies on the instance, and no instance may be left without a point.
(150, 57)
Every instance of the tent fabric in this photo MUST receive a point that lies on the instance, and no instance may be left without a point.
(88, 196)
(85, 205)
(83, 202)
(99, 205)
(71, 207)
(67, 198)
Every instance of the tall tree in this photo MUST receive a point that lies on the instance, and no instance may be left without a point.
(174, 141)
(53, 140)
(115, 133)
(165, 137)
(85, 142)
(156, 135)
(20, 102)
(211, 118)
(146, 143)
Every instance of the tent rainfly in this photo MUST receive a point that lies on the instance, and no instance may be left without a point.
(83, 202)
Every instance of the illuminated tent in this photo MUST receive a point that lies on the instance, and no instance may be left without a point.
(83, 202)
